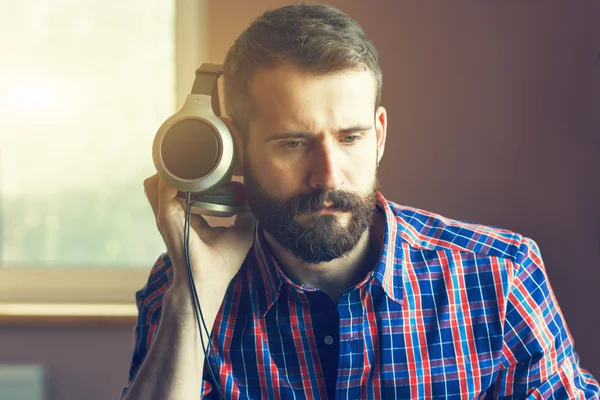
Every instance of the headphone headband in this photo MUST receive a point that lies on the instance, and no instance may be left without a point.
(206, 84)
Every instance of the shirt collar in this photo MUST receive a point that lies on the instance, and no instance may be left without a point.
(388, 270)
(268, 278)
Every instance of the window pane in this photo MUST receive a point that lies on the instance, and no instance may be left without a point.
(84, 86)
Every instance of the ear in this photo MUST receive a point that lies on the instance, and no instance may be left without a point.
(381, 131)
(239, 146)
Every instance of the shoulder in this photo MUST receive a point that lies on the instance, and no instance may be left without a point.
(426, 230)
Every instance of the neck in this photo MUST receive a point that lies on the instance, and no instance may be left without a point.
(336, 276)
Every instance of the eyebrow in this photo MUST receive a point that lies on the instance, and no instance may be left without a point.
(301, 135)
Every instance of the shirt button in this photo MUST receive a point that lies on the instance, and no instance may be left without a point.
(328, 340)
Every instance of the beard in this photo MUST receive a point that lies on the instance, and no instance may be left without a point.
(294, 224)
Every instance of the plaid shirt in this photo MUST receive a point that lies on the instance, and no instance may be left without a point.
(451, 310)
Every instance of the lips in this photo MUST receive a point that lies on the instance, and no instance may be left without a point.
(324, 203)
(329, 210)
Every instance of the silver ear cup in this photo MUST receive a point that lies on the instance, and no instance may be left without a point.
(194, 151)
(190, 149)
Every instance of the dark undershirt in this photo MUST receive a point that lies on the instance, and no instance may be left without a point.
(326, 326)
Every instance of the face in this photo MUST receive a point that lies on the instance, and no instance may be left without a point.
(310, 159)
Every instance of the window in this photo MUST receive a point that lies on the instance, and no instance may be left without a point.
(84, 86)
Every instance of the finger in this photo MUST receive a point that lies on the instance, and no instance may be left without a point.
(151, 192)
(245, 222)
(170, 213)
(166, 192)
(201, 226)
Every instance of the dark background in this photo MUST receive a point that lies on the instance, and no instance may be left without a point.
(494, 118)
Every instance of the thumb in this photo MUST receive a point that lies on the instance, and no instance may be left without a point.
(170, 212)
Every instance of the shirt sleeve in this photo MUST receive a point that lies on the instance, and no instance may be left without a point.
(149, 304)
(538, 356)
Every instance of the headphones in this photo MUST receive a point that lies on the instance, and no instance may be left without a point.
(194, 151)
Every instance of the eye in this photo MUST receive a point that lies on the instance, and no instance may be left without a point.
(349, 139)
(293, 145)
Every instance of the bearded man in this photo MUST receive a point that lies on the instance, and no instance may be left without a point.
(326, 289)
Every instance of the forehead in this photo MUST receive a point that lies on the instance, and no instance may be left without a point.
(287, 98)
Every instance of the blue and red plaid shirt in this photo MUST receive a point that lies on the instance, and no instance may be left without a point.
(451, 310)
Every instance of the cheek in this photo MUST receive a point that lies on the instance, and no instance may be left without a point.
(286, 180)
(362, 178)
(361, 168)
(281, 180)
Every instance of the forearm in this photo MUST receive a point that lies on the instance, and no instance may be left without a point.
(173, 367)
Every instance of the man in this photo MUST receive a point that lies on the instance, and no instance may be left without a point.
(328, 290)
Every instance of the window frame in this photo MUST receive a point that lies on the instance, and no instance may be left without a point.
(32, 294)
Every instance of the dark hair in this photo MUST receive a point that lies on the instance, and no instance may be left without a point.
(316, 38)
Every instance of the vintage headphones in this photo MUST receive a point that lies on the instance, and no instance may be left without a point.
(194, 151)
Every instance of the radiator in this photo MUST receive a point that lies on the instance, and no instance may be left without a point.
(22, 382)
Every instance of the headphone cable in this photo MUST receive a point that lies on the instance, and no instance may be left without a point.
(208, 350)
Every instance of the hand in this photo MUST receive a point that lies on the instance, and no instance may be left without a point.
(216, 253)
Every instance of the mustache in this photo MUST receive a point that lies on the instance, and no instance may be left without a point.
(312, 202)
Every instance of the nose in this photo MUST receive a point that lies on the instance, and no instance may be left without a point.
(325, 173)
